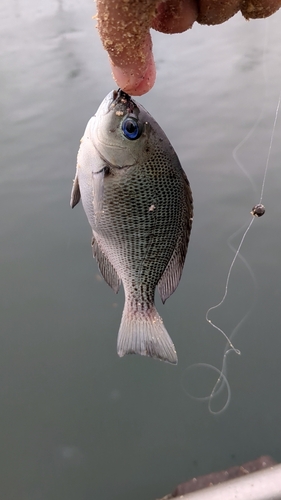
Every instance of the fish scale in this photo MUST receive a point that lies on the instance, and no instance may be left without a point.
(129, 213)
(139, 204)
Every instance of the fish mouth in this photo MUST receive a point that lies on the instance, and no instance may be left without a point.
(123, 101)
(120, 96)
(107, 124)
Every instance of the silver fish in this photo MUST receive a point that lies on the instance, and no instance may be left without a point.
(139, 205)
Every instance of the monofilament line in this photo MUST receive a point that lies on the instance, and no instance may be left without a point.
(255, 212)
(258, 120)
(226, 290)
(270, 146)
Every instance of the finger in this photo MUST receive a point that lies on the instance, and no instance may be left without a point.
(259, 8)
(133, 80)
(124, 30)
(214, 12)
(175, 16)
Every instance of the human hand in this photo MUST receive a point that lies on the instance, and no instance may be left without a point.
(124, 28)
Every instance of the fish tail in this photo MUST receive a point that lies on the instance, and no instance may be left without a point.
(143, 332)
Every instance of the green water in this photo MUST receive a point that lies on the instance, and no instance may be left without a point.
(77, 422)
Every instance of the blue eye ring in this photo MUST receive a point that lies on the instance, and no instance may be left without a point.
(130, 128)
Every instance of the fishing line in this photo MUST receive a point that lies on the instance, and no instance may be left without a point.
(270, 146)
(257, 211)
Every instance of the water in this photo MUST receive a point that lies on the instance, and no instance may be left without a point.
(77, 422)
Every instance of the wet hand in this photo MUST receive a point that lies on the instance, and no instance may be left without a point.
(124, 28)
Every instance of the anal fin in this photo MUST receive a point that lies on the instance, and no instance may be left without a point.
(171, 276)
(106, 268)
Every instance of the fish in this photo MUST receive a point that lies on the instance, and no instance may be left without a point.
(139, 204)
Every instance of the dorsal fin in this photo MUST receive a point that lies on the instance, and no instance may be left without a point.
(172, 274)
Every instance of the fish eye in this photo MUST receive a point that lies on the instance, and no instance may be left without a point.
(130, 128)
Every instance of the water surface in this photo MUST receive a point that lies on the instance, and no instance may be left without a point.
(77, 422)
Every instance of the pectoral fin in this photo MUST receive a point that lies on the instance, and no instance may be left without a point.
(75, 192)
(98, 184)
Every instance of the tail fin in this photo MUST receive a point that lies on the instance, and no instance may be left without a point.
(143, 332)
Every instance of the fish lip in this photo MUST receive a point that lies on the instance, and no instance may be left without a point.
(119, 97)
(120, 101)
